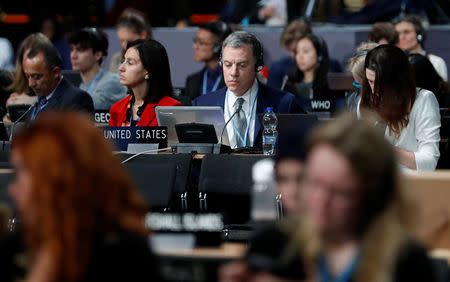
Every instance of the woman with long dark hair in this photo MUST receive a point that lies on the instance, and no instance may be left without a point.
(146, 72)
(309, 78)
(411, 116)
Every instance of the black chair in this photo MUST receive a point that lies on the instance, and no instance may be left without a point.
(182, 163)
(445, 122)
(225, 186)
(155, 182)
(6, 176)
(72, 76)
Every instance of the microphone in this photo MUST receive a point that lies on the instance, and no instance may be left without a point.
(225, 126)
(20, 118)
(283, 82)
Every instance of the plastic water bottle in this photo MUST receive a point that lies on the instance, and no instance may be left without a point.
(270, 133)
(263, 193)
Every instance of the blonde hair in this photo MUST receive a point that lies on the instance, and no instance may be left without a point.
(387, 214)
(356, 62)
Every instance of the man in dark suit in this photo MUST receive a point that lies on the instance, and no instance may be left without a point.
(207, 46)
(42, 67)
(241, 59)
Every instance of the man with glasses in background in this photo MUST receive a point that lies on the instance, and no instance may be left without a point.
(207, 47)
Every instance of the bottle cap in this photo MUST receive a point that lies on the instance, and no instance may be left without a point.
(263, 170)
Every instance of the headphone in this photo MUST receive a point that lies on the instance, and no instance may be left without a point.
(361, 53)
(322, 45)
(418, 26)
(419, 37)
(222, 32)
(257, 48)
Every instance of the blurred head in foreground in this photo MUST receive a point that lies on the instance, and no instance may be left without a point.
(70, 191)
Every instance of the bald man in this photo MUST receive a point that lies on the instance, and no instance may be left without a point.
(42, 68)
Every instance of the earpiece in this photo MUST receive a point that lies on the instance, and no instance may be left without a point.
(259, 65)
(419, 37)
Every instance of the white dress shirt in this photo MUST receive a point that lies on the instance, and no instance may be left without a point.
(422, 134)
(249, 104)
(439, 65)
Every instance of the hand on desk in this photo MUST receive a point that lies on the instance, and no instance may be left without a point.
(16, 98)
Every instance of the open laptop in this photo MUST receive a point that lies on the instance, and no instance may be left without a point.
(170, 116)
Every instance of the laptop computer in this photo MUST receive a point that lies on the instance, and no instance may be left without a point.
(170, 116)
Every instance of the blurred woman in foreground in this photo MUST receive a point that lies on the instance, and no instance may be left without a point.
(82, 218)
(357, 218)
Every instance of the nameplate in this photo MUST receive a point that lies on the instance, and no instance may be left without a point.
(322, 105)
(101, 116)
(122, 137)
(186, 222)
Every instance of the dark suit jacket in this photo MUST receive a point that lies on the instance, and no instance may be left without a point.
(68, 97)
(282, 102)
(193, 88)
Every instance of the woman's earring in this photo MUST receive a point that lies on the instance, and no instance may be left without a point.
(147, 76)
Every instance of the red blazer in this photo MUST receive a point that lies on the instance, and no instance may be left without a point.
(118, 112)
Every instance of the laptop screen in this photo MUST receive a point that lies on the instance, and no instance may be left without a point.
(170, 116)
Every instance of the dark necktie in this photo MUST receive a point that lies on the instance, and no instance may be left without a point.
(42, 101)
(241, 123)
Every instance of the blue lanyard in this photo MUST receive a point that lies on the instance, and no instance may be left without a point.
(345, 276)
(205, 80)
(96, 78)
(236, 131)
(37, 110)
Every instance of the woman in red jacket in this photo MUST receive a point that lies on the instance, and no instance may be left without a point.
(146, 72)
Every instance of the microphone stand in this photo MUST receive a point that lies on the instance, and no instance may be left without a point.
(19, 119)
(228, 121)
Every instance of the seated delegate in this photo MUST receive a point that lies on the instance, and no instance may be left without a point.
(146, 73)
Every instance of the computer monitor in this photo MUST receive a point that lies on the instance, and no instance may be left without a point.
(170, 116)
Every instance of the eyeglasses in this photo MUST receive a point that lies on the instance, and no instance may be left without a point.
(198, 41)
(356, 84)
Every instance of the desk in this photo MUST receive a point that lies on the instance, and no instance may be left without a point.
(225, 251)
(198, 264)
(432, 193)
